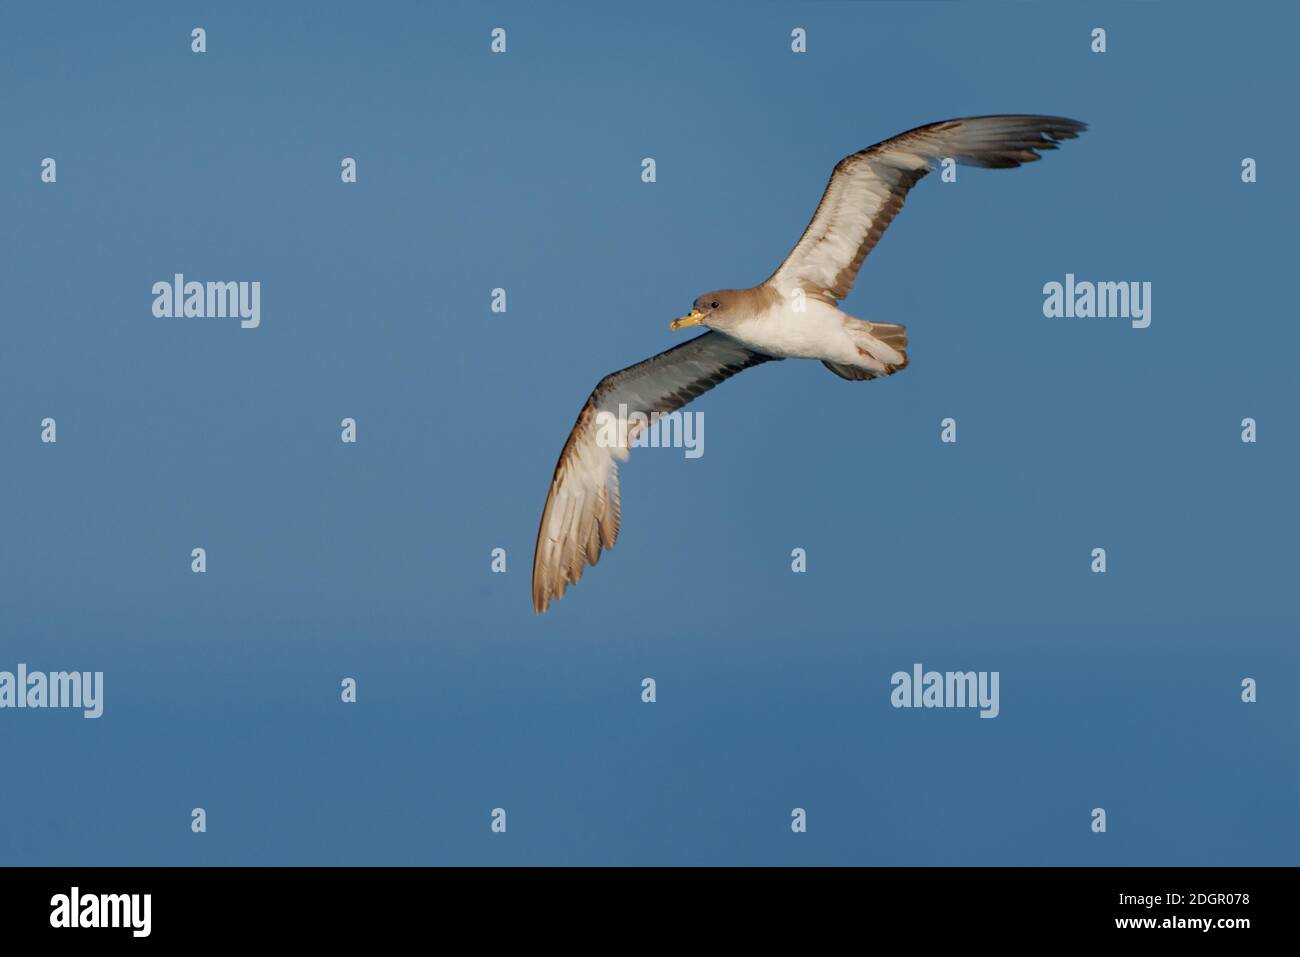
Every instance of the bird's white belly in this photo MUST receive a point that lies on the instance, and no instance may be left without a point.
(816, 333)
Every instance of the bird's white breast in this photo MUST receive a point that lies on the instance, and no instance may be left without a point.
(816, 332)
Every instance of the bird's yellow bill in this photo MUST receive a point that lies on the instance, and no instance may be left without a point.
(694, 319)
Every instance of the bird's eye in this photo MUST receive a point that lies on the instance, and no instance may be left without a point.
(715, 304)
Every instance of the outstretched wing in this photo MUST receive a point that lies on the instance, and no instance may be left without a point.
(582, 509)
(867, 190)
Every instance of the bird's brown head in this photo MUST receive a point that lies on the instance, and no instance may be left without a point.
(710, 309)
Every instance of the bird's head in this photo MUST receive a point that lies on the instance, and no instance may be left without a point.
(710, 309)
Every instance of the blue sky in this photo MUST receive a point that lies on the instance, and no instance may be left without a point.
(522, 171)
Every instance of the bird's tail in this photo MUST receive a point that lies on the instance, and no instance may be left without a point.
(881, 346)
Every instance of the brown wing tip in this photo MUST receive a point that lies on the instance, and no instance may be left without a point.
(542, 600)
(543, 594)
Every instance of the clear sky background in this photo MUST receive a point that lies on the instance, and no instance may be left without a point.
(522, 171)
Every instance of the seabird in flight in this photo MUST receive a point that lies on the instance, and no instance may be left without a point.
(791, 315)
